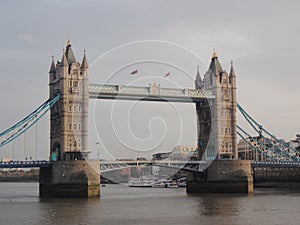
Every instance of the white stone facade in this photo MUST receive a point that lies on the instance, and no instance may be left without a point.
(69, 116)
(217, 118)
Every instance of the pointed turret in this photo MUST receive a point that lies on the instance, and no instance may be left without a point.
(215, 66)
(232, 76)
(232, 72)
(69, 53)
(84, 63)
(52, 67)
(198, 81)
(64, 61)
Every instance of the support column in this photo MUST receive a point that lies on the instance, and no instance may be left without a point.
(222, 176)
(70, 179)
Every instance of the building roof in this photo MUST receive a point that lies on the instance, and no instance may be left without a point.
(69, 53)
(64, 61)
(215, 66)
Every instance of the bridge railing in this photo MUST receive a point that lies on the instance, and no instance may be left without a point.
(274, 164)
(25, 164)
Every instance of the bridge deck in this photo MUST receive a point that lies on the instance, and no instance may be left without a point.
(113, 165)
(25, 164)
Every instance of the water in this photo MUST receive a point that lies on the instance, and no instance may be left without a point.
(119, 204)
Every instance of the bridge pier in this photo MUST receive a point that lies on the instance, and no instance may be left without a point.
(222, 176)
(70, 179)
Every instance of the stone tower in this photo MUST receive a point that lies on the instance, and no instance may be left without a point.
(71, 174)
(69, 116)
(217, 136)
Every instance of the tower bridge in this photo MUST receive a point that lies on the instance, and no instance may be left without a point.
(214, 97)
(70, 173)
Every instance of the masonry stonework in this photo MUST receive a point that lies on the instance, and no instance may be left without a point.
(217, 138)
(71, 173)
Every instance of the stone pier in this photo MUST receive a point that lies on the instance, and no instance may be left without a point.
(70, 179)
(222, 176)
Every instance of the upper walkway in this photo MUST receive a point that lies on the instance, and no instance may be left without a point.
(152, 93)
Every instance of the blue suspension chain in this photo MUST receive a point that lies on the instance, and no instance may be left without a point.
(25, 124)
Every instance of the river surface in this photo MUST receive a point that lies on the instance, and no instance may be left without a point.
(119, 204)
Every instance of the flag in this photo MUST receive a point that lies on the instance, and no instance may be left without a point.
(134, 72)
(168, 74)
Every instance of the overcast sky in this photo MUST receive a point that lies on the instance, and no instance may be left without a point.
(262, 37)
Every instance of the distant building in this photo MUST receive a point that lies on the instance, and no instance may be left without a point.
(183, 152)
(178, 153)
(246, 152)
(161, 155)
(295, 143)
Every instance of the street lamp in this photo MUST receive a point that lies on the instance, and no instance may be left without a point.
(98, 150)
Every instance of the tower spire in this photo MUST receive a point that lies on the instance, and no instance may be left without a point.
(214, 55)
(69, 53)
(64, 60)
(232, 72)
(52, 67)
(215, 66)
(68, 41)
(198, 81)
(84, 63)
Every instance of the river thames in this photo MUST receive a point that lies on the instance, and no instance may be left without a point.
(119, 204)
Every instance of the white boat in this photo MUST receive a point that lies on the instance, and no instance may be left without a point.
(165, 183)
(152, 181)
(181, 182)
(142, 181)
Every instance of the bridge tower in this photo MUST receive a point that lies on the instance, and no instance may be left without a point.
(217, 138)
(217, 118)
(71, 174)
(69, 116)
